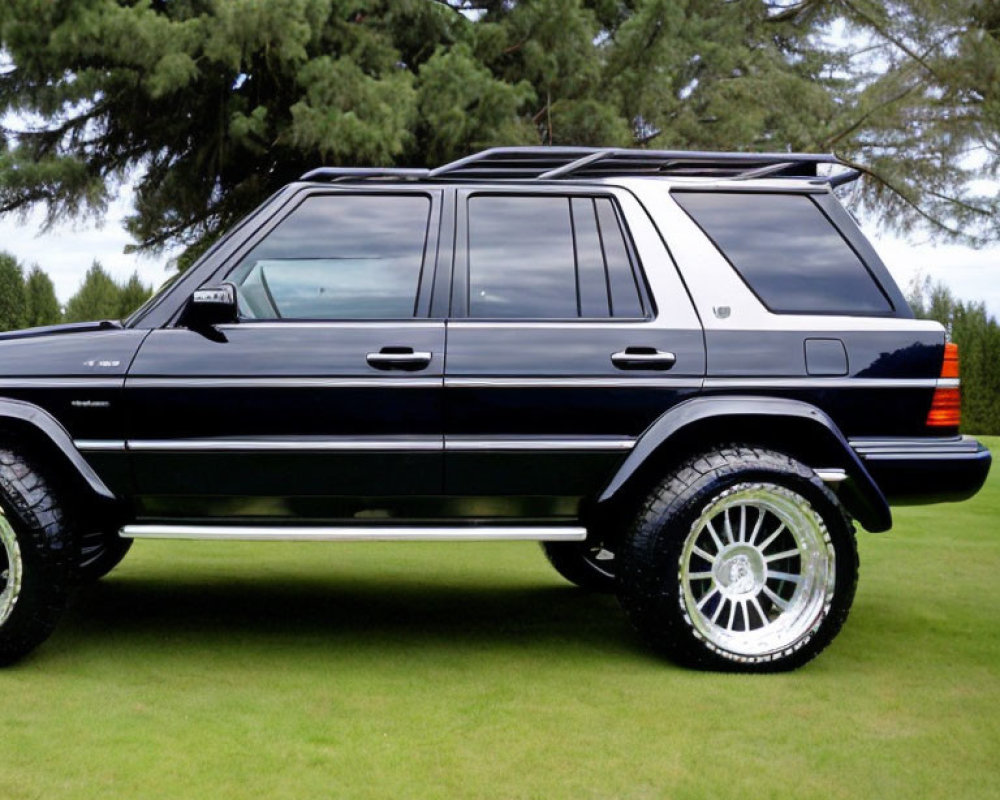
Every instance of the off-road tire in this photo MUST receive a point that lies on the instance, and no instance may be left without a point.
(584, 564)
(44, 551)
(663, 576)
(100, 552)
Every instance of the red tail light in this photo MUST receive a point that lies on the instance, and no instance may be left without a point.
(946, 405)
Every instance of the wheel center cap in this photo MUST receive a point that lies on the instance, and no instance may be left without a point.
(739, 571)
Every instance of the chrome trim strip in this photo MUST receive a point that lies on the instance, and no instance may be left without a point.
(470, 443)
(291, 324)
(285, 383)
(336, 444)
(611, 323)
(908, 448)
(102, 445)
(349, 444)
(356, 533)
(573, 383)
(97, 382)
(831, 474)
(949, 383)
(821, 383)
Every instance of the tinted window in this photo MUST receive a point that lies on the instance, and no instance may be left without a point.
(338, 257)
(548, 257)
(787, 251)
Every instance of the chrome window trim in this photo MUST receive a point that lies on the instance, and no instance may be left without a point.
(470, 533)
(341, 323)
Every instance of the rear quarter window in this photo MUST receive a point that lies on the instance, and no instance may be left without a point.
(788, 252)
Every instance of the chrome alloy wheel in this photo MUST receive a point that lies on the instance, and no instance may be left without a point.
(10, 569)
(757, 571)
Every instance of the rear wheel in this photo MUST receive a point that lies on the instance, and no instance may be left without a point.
(100, 552)
(36, 555)
(590, 565)
(741, 560)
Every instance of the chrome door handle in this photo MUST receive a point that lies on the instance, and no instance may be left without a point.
(643, 358)
(399, 358)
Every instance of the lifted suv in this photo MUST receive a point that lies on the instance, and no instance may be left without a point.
(684, 373)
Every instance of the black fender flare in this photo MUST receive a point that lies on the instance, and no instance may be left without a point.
(860, 494)
(43, 424)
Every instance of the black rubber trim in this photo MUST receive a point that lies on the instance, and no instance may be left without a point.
(929, 470)
(50, 427)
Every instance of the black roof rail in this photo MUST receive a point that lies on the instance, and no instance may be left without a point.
(555, 163)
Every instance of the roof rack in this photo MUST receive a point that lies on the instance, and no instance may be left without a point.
(556, 163)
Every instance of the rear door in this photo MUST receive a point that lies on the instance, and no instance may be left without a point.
(569, 333)
(325, 400)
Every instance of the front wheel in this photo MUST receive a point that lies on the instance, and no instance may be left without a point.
(741, 560)
(36, 557)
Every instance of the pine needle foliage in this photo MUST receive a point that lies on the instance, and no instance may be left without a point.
(210, 105)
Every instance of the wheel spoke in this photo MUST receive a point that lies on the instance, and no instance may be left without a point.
(772, 537)
(728, 526)
(702, 554)
(756, 527)
(712, 592)
(743, 523)
(760, 611)
(743, 613)
(699, 576)
(718, 609)
(775, 598)
(784, 576)
(715, 537)
(732, 615)
(783, 554)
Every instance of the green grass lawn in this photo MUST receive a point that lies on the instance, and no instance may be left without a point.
(214, 670)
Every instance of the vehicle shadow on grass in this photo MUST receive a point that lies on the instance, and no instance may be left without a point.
(359, 613)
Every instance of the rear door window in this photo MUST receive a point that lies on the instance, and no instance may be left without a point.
(549, 257)
(787, 251)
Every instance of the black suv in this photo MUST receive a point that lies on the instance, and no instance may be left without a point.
(684, 373)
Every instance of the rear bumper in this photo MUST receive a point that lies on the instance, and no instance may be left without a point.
(925, 470)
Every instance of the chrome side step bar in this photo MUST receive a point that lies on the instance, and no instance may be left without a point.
(357, 533)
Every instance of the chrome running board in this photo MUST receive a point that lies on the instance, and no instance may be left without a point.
(357, 533)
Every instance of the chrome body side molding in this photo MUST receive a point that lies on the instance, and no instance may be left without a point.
(356, 533)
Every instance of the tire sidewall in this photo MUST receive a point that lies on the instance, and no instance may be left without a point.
(46, 554)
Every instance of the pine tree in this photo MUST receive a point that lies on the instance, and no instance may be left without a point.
(270, 88)
(13, 311)
(98, 298)
(132, 295)
(977, 335)
(42, 305)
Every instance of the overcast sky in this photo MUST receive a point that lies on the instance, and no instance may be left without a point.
(66, 252)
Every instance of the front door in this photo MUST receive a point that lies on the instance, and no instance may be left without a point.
(324, 401)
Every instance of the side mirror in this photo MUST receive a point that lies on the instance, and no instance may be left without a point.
(213, 305)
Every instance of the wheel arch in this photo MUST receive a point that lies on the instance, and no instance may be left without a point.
(799, 429)
(50, 442)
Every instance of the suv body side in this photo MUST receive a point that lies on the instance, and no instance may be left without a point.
(522, 418)
(286, 419)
